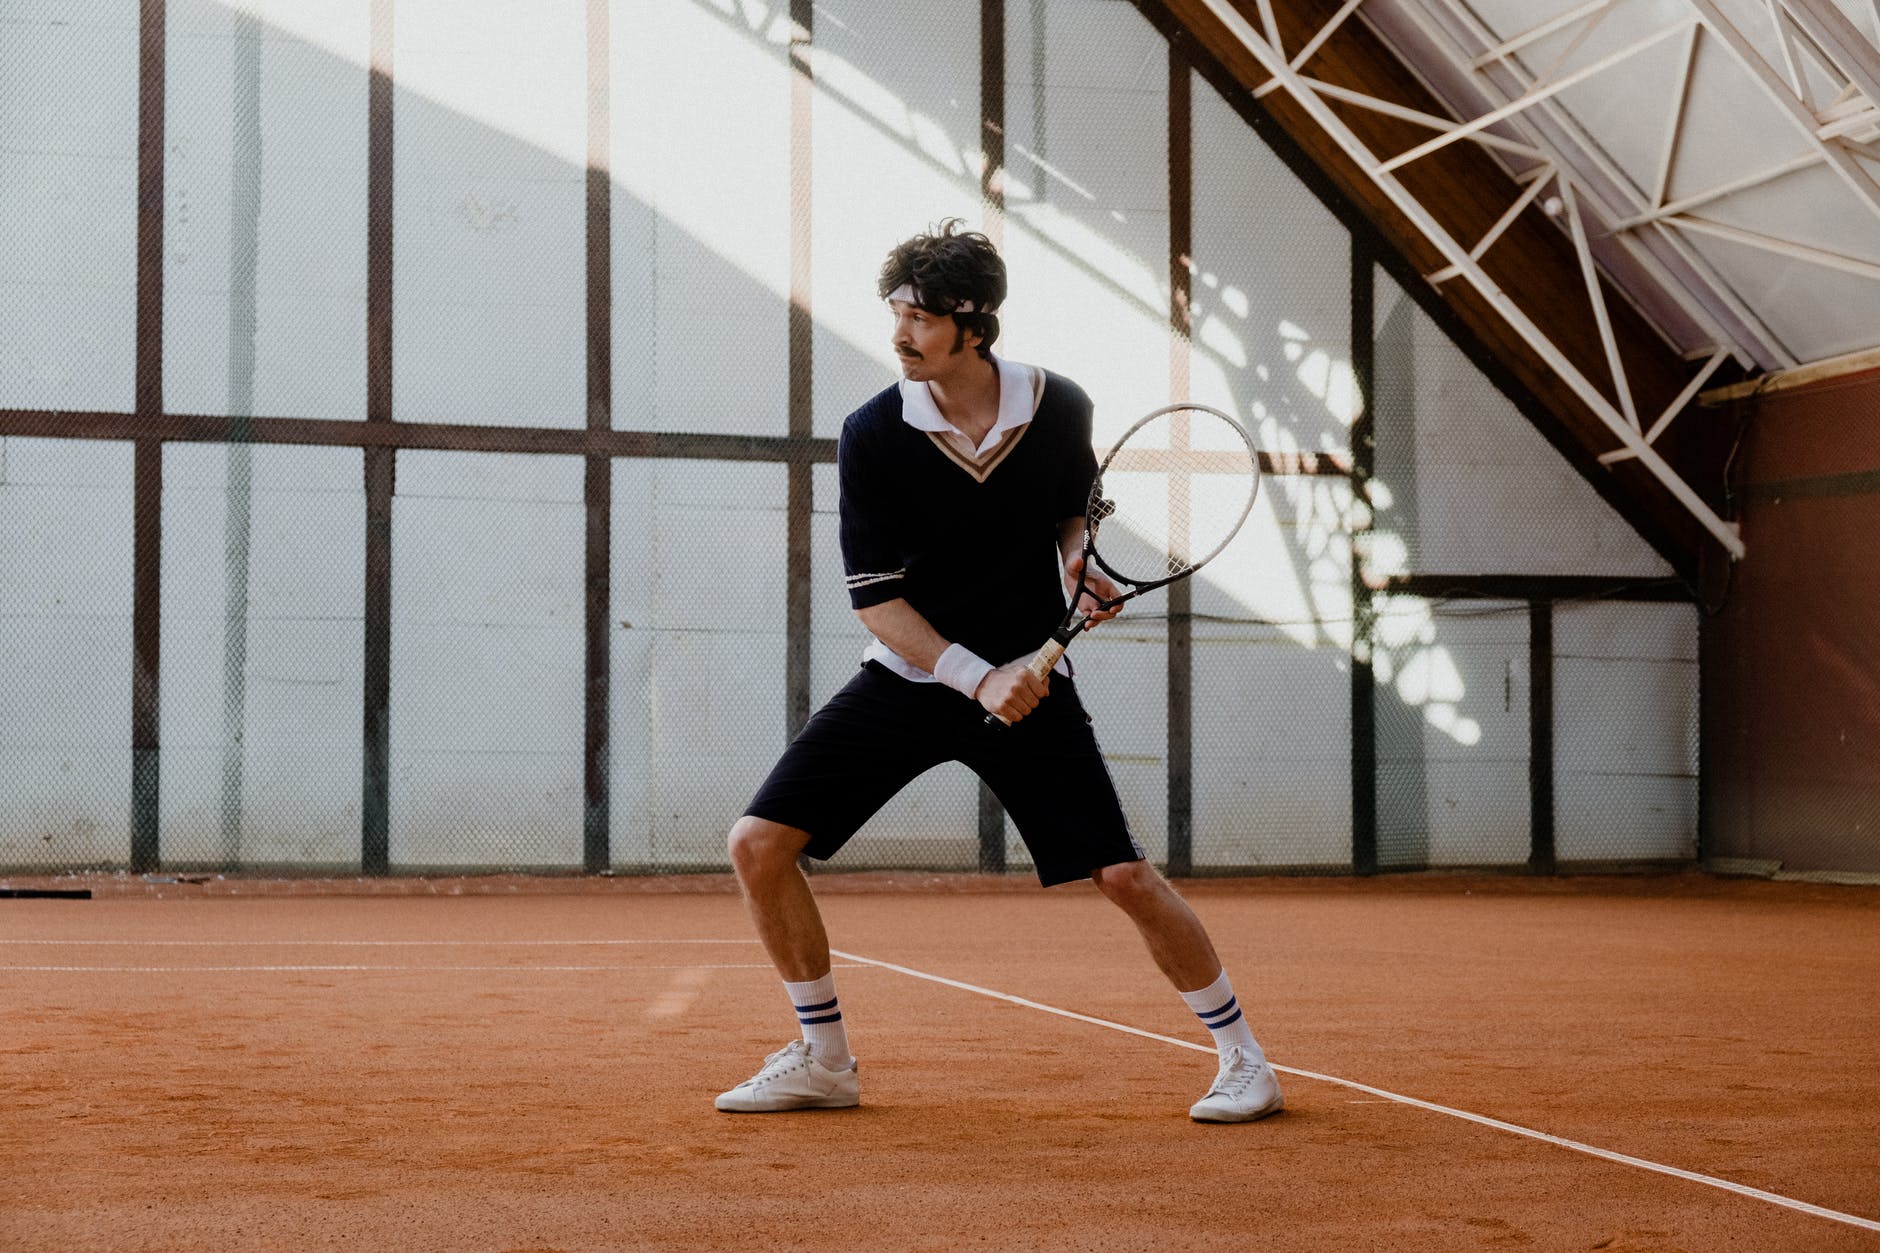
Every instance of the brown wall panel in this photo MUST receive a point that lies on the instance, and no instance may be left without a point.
(1792, 663)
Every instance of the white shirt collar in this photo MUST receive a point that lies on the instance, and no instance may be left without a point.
(1019, 395)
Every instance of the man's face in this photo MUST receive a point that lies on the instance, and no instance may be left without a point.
(928, 345)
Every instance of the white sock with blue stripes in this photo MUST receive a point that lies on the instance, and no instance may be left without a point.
(1220, 1013)
(821, 1019)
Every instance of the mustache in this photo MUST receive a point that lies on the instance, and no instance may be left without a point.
(907, 354)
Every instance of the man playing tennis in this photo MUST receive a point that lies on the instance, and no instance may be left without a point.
(963, 490)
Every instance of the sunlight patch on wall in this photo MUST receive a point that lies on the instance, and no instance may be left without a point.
(1425, 676)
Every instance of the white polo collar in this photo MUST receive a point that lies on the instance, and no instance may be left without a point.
(1020, 391)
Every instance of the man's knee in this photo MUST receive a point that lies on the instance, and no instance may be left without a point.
(759, 846)
(1130, 883)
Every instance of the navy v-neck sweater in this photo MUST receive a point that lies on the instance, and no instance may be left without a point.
(978, 560)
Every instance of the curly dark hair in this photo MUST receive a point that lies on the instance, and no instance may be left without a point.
(946, 268)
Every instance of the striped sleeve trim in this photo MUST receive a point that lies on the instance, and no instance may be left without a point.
(854, 581)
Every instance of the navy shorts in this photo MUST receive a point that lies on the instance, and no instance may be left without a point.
(881, 731)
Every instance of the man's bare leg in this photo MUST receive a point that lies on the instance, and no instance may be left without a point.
(778, 897)
(1245, 1088)
(816, 1072)
(1176, 939)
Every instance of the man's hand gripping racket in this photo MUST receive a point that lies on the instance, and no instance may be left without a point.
(1169, 496)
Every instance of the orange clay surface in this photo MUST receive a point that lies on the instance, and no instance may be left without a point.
(530, 1064)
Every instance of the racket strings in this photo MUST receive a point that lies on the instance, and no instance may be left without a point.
(1172, 494)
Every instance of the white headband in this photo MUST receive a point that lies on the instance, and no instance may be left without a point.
(905, 294)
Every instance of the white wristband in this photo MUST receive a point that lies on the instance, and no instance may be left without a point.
(961, 669)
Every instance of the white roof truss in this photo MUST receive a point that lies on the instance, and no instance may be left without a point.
(1763, 141)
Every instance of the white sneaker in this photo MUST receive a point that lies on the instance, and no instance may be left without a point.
(1244, 1090)
(792, 1079)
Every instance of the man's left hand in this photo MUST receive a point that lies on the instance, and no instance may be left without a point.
(1097, 588)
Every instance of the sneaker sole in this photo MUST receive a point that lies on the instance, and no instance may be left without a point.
(824, 1103)
(1268, 1112)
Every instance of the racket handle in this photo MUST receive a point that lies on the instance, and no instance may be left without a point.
(1047, 657)
(1039, 665)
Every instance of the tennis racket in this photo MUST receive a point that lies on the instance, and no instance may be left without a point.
(1167, 499)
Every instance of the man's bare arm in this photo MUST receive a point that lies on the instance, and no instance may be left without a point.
(1010, 691)
(903, 628)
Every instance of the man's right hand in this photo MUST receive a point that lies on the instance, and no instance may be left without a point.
(1011, 691)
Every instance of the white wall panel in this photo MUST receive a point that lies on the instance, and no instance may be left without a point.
(265, 208)
(1272, 749)
(487, 662)
(1625, 731)
(1122, 669)
(896, 147)
(264, 262)
(65, 669)
(698, 596)
(1452, 733)
(1086, 231)
(262, 647)
(489, 213)
(1272, 686)
(68, 258)
(1271, 291)
(1289, 565)
(1478, 813)
(1464, 483)
(700, 129)
(838, 636)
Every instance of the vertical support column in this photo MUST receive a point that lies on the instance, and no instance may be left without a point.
(1706, 675)
(375, 798)
(146, 628)
(598, 491)
(1541, 736)
(238, 524)
(992, 118)
(992, 208)
(147, 482)
(800, 500)
(381, 462)
(1363, 614)
(1181, 860)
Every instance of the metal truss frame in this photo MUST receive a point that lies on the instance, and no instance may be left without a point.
(1523, 123)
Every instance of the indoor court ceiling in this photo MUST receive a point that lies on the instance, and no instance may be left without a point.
(1700, 177)
(1724, 154)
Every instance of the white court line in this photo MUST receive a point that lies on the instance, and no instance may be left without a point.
(356, 943)
(1774, 1198)
(192, 970)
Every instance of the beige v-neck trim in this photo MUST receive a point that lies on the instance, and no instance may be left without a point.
(982, 466)
(982, 463)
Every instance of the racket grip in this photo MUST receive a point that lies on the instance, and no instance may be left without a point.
(1047, 657)
(1039, 665)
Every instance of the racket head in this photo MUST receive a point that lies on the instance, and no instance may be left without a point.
(1171, 494)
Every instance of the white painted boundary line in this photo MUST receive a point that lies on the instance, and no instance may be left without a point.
(1773, 1198)
(521, 970)
(357, 943)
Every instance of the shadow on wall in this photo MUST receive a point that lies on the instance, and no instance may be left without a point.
(265, 283)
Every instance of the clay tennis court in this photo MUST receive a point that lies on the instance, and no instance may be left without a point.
(529, 1064)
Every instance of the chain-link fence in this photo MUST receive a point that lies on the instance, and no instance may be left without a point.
(419, 425)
